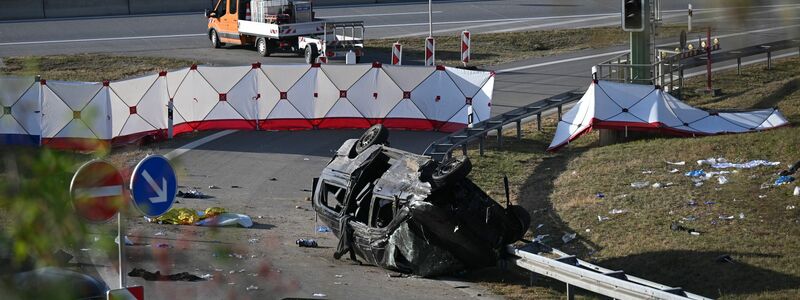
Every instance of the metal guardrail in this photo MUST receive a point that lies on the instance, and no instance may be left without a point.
(443, 147)
(740, 53)
(578, 273)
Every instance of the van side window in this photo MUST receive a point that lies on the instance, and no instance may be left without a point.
(232, 4)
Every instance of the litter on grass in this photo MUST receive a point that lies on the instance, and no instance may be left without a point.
(722, 179)
(747, 165)
(602, 218)
(617, 211)
(673, 171)
(323, 228)
(783, 180)
(797, 191)
(678, 163)
(568, 237)
(640, 184)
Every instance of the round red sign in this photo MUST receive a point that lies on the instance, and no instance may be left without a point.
(97, 191)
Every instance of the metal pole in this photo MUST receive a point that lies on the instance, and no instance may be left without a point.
(738, 66)
(769, 60)
(430, 18)
(464, 149)
(570, 292)
(480, 145)
(689, 29)
(708, 59)
(500, 136)
(121, 246)
(519, 129)
(539, 121)
(170, 129)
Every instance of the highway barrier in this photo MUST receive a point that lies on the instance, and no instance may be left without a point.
(87, 115)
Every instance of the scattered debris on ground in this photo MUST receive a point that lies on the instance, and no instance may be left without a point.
(157, 276)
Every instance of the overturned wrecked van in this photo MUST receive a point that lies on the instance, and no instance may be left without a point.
(409, 213)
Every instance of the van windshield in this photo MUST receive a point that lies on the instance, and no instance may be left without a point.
(220, 9)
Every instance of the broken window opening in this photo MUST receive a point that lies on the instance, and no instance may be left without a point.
(335, 193)
(382, 212)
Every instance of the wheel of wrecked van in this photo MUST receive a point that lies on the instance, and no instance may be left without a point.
(377, 134)
(215, 43)
(311, 53)
(451, 170)
(261, 46)
(520, 215)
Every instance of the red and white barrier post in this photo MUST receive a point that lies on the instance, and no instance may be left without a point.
(465, 47)
(397, 54)
(430, 51)
(247, 14)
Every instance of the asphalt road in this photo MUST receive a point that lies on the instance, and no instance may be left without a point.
(252, 159)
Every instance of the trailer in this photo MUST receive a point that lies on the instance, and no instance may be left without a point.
(283, 26)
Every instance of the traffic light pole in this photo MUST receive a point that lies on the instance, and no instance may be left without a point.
(640, 50)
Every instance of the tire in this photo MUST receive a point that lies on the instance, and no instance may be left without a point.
(522, 221)
(214, 37)
(311, 53)
(451, 170)
(375, 135)
(262, 47)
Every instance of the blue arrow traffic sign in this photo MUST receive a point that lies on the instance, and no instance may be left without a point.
(153, 185)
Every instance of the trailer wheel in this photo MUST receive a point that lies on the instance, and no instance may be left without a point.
(261, 46)
(215, 43)
(311, 53)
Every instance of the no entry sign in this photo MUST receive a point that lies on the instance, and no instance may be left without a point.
(97, 191)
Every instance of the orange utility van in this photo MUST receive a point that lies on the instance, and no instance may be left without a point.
(283, 26)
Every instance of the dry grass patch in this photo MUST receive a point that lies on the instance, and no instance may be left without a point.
(560, 190)
(89, 67)
(497, 48)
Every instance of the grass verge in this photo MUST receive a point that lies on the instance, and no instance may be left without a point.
(89, 67)
(560, 190)
(497, 48)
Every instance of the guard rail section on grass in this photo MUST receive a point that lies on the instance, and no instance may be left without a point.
(86, 115)
(443, 147)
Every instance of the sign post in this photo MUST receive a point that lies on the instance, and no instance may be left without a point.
(430, 51)
(397, 54)
(97, 191)
(465, 47)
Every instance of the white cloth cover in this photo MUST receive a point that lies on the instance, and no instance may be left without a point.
(610, 105)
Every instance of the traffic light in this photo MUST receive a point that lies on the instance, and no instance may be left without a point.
(633, 15)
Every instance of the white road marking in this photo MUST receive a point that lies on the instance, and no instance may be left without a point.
(185, 148)
(491, 20)
(97, 192)
(624, 51)
(529, 27)
(381, 15)
(104, 39)
(453, 29)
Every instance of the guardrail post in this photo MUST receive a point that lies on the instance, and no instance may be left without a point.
(500, 136)
(539, 121)
(769, 60)
(519, 129)
(570, 292)
(464, 149)
(480, 145)
(738, 66)
(559, 112)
